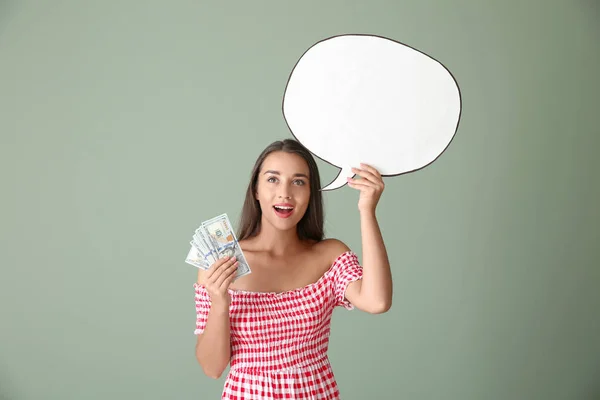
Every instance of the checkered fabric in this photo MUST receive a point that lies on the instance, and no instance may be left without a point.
(280, 340)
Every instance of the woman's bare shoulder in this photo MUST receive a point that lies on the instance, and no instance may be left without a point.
(248, 244)
(331, 248)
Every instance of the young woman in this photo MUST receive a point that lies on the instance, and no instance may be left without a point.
(272, 326)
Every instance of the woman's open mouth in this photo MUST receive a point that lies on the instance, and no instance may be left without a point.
(283, 210)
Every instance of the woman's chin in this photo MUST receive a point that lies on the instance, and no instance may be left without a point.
(283, 224)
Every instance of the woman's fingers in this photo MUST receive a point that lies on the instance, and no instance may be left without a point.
(218, 267)
(358, 183)
(230, 277)
(214, 268)
(225, 274)
(368, 173)
(371, 169)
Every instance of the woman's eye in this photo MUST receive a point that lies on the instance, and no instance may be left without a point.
(299, 182)
(271, 179)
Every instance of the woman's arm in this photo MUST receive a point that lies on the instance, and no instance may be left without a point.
(373, 293)
(213, 346)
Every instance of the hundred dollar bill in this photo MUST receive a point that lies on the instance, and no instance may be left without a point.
(223, 239)
(214, 239)
(196, 258)
(204, 245)
(200, 252)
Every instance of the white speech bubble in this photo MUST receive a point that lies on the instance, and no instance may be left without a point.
(370, 99)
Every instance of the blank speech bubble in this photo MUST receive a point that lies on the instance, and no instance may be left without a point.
(370, 99)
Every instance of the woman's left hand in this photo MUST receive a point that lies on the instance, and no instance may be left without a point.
(371, 187)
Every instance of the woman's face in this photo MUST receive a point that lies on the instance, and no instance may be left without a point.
(283, 189)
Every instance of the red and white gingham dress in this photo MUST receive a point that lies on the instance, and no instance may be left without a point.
(280, 340)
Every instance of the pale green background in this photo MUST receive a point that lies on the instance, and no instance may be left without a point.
(125, 124)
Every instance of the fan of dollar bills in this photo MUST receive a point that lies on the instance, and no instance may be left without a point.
(214, 239)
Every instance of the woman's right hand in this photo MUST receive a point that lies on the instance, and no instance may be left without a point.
(218, 278)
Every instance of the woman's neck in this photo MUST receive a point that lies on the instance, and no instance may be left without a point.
(277, 242)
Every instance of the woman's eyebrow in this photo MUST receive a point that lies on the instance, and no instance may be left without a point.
(298, 174)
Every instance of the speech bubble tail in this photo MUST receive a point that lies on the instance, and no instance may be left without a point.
(339, 180)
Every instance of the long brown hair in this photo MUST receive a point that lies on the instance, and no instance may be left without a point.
(311, 225)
